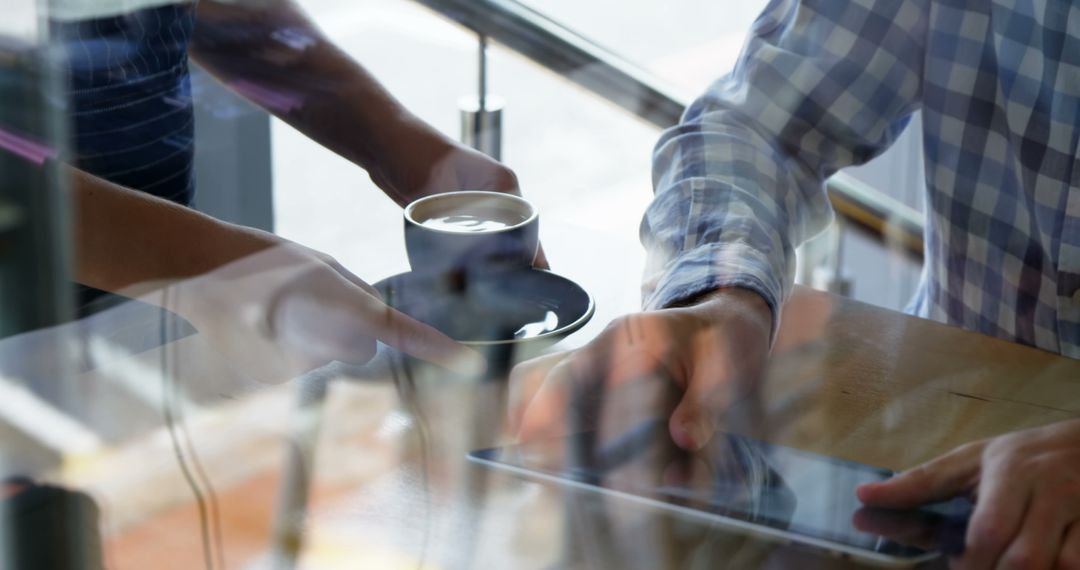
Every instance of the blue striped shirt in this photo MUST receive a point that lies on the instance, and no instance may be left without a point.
(826, 84)
(130, 98)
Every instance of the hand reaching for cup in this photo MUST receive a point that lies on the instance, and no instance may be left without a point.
(711, 353)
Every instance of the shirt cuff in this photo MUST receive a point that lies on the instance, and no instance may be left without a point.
(717, 266)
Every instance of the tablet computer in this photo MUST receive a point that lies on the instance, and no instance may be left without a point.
(745, 485)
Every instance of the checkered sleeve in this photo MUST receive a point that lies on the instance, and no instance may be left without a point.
(820, 85)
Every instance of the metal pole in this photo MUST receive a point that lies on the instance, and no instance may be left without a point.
(483, 75)
(823, 262)
(287, 543)
(481, 116)
(840, 284)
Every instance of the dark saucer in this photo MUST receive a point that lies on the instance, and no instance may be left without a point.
(525, 310)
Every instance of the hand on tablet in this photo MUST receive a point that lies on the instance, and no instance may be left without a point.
(1027, 489)
(709, 355)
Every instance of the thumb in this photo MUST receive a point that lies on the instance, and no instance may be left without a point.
(691, 426)
(693, 423)
(711, 391)
(945, 477)
(526, 386)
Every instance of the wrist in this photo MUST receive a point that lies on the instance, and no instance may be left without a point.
(404, 156)
(397, 134)
(366, 125)
(739, 302)
(224, 243)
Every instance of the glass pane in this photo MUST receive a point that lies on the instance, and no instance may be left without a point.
(260, 308)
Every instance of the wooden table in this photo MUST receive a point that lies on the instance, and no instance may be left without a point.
(391, 488)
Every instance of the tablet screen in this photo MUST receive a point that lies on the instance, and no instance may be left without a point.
(796, 494)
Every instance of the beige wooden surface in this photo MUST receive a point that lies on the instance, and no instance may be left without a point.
(846, 380)
(391, 487)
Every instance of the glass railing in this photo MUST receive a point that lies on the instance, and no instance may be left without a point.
(152, 446)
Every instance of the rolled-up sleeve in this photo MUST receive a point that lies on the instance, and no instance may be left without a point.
(820, 85)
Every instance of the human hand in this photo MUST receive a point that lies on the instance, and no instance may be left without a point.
(287, 309)
(923, 529)
(710, 353)
(1027, 489)
(417, 161)
(430, 163)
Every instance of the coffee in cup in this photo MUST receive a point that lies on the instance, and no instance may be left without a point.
(471, 230)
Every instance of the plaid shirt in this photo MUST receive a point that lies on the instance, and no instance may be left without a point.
(825, 84)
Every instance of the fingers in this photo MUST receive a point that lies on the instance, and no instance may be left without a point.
(363, 285)
(422, 341)
(569, 394)
(692, 425)
(1041, 535)
(409, 335)
(526, 379)
(722, 362)
(546, 413)
(710, 392)
(541, 260)
(500, 178)
(1028, 502)
(351, 277)
(316, 330)
(947, 476)
(1003, 498)
(588, 390)
(902, 527)
(1069, 557)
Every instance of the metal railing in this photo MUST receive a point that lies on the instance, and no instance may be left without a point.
(610, 76)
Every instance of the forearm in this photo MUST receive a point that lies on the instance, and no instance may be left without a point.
(128, 241)
(272, 54)
(740, 183)
(729, 212)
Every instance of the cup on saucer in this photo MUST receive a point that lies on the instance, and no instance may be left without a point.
(471, 231)
(472, 278)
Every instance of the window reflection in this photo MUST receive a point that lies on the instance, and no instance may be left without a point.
(217, 350)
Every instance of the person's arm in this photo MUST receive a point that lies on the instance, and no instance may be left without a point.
(739, 183)
(130, 241)
(271, 53)
(273, 306)
(1027, 491)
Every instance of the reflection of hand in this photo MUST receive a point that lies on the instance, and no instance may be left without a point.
(710, 351)
(919, 529)
(286, 310)
(1027, 514)
(727, 477)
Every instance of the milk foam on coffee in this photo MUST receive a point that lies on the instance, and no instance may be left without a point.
(483, 221)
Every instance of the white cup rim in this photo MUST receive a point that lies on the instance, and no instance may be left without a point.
(411, 208)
